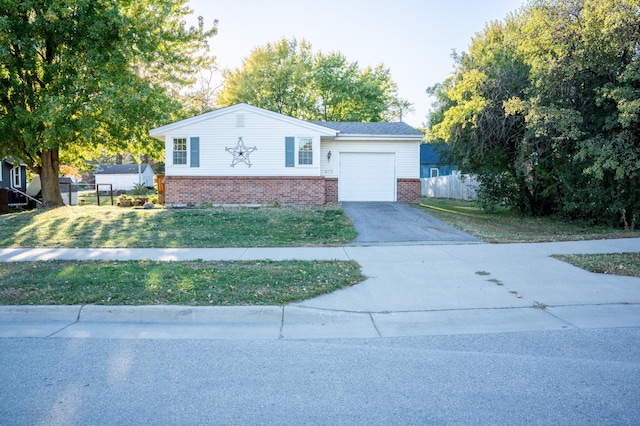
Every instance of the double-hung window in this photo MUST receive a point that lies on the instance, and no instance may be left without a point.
(305, 151)
(179, 151)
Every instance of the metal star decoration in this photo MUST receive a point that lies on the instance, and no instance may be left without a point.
(240, 153)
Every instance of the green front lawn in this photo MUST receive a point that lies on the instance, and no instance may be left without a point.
(505, 227)
(107, 226)
(183, 283)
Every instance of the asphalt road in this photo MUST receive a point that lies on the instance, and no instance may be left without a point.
(549, 377)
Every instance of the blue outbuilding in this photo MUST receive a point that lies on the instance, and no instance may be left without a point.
(433, 160)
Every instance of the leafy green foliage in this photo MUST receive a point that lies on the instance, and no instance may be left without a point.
(139, 189)
(85, 76)
(544, 108)
(288, 78)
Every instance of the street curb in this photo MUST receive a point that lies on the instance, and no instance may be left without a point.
(181, 314)
(177, 314)
(296, 322)
(67, 313)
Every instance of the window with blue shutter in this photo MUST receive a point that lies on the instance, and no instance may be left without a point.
(290, 151)
(195, 151)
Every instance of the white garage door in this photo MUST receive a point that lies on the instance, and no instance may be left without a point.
(367, 176)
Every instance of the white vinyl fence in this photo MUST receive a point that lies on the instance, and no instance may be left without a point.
(461, 187)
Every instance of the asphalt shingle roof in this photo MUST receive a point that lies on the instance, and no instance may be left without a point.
(119, 169)
(377, 128)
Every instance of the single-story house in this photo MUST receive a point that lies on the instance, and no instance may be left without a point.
(250, 156)
(123, 177)
(433, 161)
(13, 176)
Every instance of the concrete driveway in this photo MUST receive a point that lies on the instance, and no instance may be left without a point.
(397, 223)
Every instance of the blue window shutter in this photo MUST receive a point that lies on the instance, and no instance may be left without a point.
(290, 151)
(195, 152)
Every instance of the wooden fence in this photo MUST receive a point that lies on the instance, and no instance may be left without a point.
(461, 187)
(161, 188)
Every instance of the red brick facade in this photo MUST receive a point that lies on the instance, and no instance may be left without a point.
(409, 191)
(223, 190)
(182, 190)
(331, 190)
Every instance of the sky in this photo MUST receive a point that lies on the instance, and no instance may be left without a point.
(413, 38)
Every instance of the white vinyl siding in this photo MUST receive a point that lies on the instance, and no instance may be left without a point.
(263, 132)
(407, 155)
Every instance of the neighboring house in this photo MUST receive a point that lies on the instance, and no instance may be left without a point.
(123, 177)
(433, 162)
(247, 155)
(13, 175)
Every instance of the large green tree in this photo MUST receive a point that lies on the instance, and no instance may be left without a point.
(288, 78)
(80, 76)
(545, 109)
(470, 114)
(583, 107)
(274, 77)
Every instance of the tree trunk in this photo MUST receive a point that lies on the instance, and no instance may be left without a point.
(51, 196)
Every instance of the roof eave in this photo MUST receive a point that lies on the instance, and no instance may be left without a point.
(160, 132)
(365, 137)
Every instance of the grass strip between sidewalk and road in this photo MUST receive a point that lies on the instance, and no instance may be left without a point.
(197, 283)
(611, 263)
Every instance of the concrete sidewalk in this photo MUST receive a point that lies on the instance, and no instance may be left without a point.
(411, 290)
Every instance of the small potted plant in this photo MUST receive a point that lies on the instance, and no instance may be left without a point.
(125, 201)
